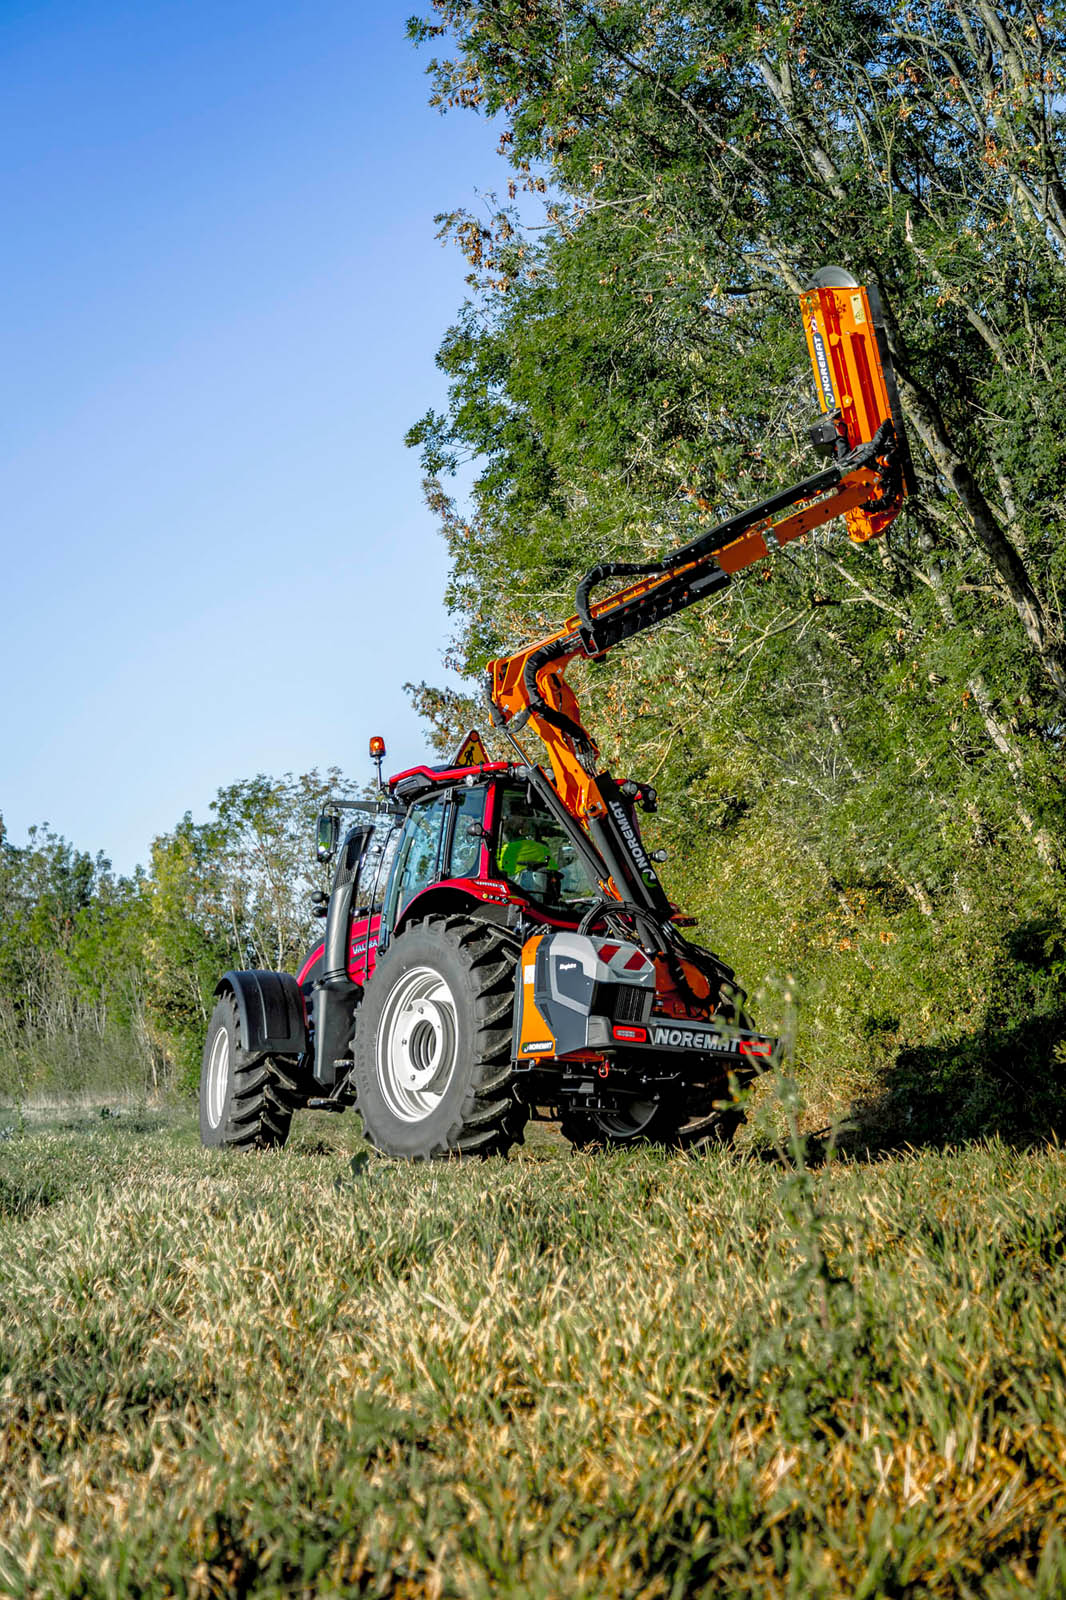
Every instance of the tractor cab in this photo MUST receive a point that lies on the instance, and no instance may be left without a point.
(482, 838)
(446, 839)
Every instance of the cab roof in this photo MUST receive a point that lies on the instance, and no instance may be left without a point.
(415, 780)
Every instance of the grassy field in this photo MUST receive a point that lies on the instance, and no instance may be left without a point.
(635, 1375)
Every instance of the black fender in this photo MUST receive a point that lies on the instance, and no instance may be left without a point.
(434, 901)
(271, 1010)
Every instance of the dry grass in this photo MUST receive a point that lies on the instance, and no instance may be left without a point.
(636, 1375)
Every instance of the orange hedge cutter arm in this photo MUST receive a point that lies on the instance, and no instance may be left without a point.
(867, 482)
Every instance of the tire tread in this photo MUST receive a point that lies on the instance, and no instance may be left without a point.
(489, 1120)
(263, 1096)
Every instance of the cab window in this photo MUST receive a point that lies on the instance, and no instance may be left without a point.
(537, 855)
(464, 857)
(380, 854)
(416, 859)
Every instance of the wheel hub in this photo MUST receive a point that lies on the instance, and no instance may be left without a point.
(217, 1077)
(417, 1044)
(425, 1043)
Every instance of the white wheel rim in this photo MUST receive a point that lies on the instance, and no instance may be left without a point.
(417, 1044)
(217, 1077)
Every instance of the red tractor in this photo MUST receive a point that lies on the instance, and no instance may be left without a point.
(497, 941)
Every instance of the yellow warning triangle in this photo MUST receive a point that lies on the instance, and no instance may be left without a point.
(471, 752)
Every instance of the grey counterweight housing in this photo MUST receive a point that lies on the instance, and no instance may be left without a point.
(591, 993)
(578, 980)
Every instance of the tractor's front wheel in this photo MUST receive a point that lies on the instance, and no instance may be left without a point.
(247, 1099)
(433, 1073)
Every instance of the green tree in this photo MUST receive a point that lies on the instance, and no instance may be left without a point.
(106, 983)
(863, 744)
(233, 892)
(72, 971)
(719, 152)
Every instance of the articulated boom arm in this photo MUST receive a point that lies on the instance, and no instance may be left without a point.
(866, 483)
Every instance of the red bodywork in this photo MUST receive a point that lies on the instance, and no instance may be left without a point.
(696, 1000)
(486, 888)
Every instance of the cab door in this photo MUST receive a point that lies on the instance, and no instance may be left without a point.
(464, 855)
(417, 860)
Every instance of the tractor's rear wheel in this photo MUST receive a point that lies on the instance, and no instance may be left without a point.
(247, 1099)
(433, 1074)
(665, 1122)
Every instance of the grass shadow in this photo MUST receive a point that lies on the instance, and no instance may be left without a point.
(1004, 1079)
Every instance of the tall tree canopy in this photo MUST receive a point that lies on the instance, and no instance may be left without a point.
(859, 741)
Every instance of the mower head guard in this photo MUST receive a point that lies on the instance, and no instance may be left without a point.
(845, 328)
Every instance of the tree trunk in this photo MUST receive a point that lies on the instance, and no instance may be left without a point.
(929, 426)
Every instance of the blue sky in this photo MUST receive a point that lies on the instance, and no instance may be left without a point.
(221, 296)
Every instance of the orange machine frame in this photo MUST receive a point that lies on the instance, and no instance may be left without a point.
(867, 485)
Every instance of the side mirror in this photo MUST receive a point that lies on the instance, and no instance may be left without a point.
(327, 835)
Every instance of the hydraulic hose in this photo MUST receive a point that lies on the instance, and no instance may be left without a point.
(599, 574)
(537, 703)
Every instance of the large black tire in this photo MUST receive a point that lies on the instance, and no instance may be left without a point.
(433, 1074)
(247, 1099)
(667, 1122)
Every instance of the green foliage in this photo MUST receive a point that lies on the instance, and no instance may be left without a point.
(631, 1375)
(72, 970)
(106, 983)
(1009, 1074)
(231, 893)
(860, 748)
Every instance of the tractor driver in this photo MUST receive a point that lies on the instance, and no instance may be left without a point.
(528, 863)
(534, 852)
